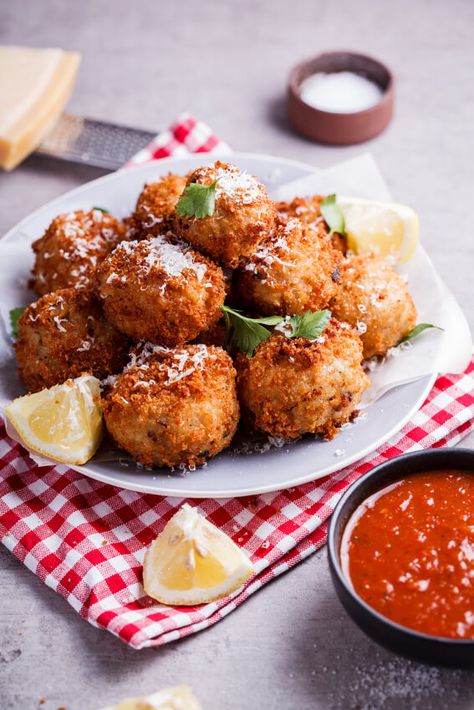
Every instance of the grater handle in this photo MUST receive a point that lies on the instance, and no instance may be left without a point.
(95, 143)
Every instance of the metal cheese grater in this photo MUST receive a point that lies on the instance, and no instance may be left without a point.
(96, 143)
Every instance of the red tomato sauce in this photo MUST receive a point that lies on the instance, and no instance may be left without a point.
(408, 551)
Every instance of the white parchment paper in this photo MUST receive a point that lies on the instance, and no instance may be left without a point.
(433, 351)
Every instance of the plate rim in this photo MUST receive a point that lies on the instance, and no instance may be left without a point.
(8, 236)
(309, 478)
(151, 489)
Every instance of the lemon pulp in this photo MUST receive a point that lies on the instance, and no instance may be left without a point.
(63, 422)
(388, 230)
(192, 562)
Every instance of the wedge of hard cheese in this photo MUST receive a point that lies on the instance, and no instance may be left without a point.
(35, 84)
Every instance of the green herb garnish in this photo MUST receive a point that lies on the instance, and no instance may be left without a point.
(417, 330)
(197, 200)
(247, 333)
(310, 324)
(333, 215)
(15, 314)
(101, 209)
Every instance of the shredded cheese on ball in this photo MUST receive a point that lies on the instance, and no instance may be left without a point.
(268, 253)
(59, 302)
(173, 257)
(234, 183)
(183, 361)
(238, 185)
(84, 245)
(76, 225)
(59, 323)
(152, 220)
(85, 346)
(285, 327)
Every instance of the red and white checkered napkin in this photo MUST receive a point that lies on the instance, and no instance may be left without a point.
(186, 135)
(87, 540)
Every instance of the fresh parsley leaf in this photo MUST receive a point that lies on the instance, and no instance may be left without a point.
(247, 333)
(417, 330)
(310, 324)
(333, 215)
(15, 314)
(197, 200)
(101, 209)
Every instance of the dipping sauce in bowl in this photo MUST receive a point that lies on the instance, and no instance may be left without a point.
(408, 552)
(340, 92)
(340, 97)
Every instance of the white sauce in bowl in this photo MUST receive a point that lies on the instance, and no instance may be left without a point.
(340, 92)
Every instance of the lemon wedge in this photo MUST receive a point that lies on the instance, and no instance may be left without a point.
(63, 422)
(178, 698)
(386, 229)
(193, 562)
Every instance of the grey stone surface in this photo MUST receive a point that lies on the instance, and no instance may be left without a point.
(291, 645)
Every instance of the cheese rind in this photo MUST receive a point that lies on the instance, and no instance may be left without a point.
(35, 85)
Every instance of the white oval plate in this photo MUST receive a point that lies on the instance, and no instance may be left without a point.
(229, 474)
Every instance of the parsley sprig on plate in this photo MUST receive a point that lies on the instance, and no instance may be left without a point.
(246, 333)
(15, 314)
(197, 200)
(414, 332)
(333, 215)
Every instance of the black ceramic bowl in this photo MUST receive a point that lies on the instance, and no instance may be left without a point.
(457, 653)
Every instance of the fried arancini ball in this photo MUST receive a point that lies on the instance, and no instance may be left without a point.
(160, 290)
(292, 271)
(292, 387)
(154, 211)
(65, 334)
(74, 243)
(174, 406)
(308, 210)
(374, 299)
(243, 216)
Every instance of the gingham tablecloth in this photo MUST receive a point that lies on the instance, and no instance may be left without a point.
(86, 540)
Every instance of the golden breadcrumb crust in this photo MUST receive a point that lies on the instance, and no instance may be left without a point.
(292, 387)
(308, 210)
(162, 420)
(145, 298)
(244, 215)
(68, 252)
(154, 211)
(292, 271)
(374, 298)
(63, 335)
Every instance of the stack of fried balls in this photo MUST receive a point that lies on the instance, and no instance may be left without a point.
(139, 304)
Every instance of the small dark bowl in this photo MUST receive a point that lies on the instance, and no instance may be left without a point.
(341, 128)
(455, 653)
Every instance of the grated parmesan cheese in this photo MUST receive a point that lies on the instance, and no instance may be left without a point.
(179, 363)
(59, 323)
(272, 251)
(233, 183)
(172, 257)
